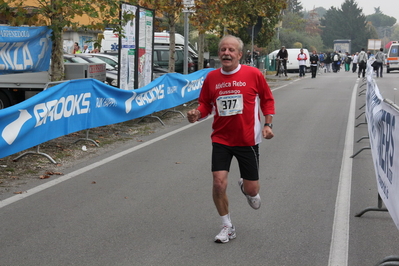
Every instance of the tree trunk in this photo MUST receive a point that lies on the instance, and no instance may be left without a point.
(57, 59)
(172, 47)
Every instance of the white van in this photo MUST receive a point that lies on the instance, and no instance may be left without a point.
(110, 42)
(292, 62)
(162, 38)
(393, 57)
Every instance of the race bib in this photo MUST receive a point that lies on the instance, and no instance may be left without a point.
(230, 104)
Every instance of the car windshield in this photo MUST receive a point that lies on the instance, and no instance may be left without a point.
(77, 60)
(98, 60)
(110, 61)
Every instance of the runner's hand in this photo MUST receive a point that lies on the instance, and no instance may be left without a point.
(267, 133)
(193, 115)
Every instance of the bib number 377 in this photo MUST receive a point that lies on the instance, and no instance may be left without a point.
(230, 104)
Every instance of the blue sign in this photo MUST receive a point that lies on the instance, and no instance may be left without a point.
(87, 103)
(24, 49)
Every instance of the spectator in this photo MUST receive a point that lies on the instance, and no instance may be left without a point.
(86, 49)
(336, 64)
(379, 59)
(76, 48)
(355, 62)
(314, 60)
(348, 60)
(328, 61)
(302, 63)
(362, 59)
(282, 55)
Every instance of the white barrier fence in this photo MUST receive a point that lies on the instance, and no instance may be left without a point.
(381, 115)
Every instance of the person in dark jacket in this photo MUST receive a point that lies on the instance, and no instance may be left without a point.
(336, 62)
(328, 61)
(314, 60)
(282, 55)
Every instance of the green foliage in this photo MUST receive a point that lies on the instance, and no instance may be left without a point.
(211, 42)
(395, 34)
(293, 22)
(299, 39)
(238, 17)
(294, 6)
(273, 45)
(348, 22)
(320, 11)
(297, 45)
(381, 20)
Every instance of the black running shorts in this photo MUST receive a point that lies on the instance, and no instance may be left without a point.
(247, 157)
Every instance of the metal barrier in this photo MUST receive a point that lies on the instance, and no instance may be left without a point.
(379, 207)
(38, 152)
(390, 260)
(362, 123)
(269, 64)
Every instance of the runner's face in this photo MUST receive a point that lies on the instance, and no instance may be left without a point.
(229, 54)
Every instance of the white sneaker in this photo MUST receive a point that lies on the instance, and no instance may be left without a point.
(226, 234)
(254, 202)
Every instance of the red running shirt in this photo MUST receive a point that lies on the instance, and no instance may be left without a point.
(236, 98)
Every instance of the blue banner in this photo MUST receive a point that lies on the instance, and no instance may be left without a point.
(24, 49)
(87, 103)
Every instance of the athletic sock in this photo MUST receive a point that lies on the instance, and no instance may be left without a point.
(226, 220)
(256, 197)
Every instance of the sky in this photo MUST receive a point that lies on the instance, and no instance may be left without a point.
(387, 7)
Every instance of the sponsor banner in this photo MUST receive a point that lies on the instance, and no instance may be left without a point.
(24, 49)
(87, 103)
(384, 143)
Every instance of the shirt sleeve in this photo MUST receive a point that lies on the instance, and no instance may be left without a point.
(205, 104)
(265, 96)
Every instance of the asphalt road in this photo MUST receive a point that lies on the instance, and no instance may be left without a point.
(150, 203)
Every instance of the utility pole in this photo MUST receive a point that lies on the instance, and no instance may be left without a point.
(188, 8)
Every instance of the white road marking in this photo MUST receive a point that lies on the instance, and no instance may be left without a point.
(83, 170)
(340, 232)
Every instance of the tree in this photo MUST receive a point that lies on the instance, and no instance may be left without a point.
(170, 10)
(238, 18)
(205, 18)
(246, 14)
(382, 23)
(298, 31)
(381, 20)
(320, 12)
(395, 33)
(348, 22)
(313, 24)
(59, 15)
(294, 6)
(293, 22)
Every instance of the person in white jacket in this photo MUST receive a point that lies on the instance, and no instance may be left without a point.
(86, 49)
(302, 63)
(362, 60)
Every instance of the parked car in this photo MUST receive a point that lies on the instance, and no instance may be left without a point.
(111, 74)
(110, 59)
(161, 58)
(158, 71)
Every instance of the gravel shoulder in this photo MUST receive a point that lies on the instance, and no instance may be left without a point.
(69, 150)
